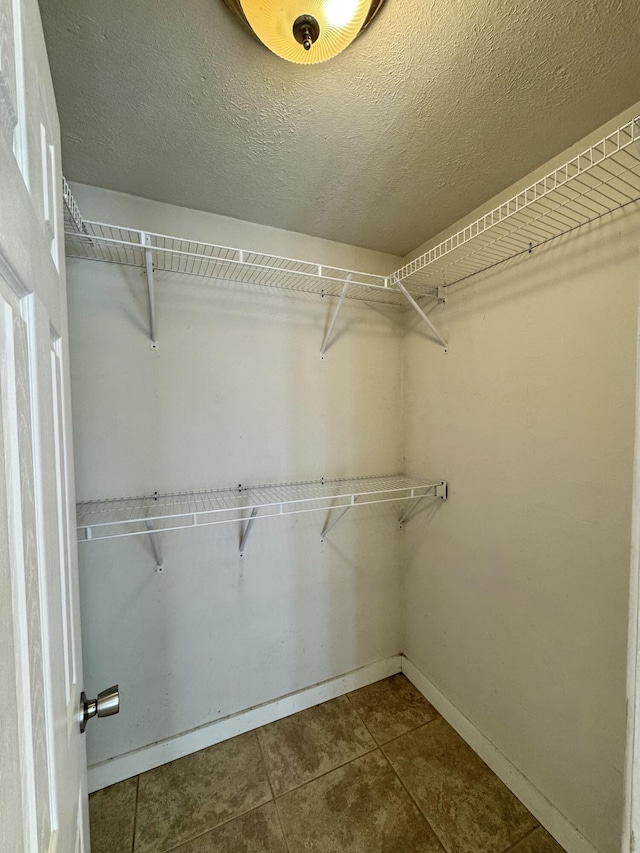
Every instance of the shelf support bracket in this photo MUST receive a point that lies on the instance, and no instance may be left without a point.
(155, 547)
(330, 525)
(145, 240)
(409, 512)
(440, 491)
(247, 530)
(421, 313)
(327, 337)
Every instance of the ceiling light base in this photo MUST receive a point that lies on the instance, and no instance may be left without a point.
(314, 31)
(306, 31)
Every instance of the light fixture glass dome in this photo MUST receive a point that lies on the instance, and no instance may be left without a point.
(307, 31)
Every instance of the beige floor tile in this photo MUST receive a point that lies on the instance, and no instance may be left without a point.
(538, 841)
(392, 707)
(359, 808)
(467, 805)
(111, 817)
(181, 800)
(256, 832)
(306, 745)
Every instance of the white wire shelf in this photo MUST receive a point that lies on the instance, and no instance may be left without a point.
(99, 241)
(72, 218)
(105, 519)
(600, 180)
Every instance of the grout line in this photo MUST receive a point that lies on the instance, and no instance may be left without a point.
(438, 715)
(211, 829)
(411, 731)
(359, 715)
(273, 794)
(416, 804)
(326, 773)
(507, 850)
(281, 825)
(338, 766)
(229, 820)
(284, 834)
(135, 816)
(264, 762)
(356, 758)
(526, 835)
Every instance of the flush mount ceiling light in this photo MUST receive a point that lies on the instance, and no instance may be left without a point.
(305, 31)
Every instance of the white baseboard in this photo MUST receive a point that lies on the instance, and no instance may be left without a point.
(545, 812)
(146, 758)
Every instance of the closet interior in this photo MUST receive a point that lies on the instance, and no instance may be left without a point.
(437, 451)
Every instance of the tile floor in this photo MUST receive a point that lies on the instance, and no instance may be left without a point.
(375, 770)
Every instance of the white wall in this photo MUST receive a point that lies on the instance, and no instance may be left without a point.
(515, 593)
(236, 393)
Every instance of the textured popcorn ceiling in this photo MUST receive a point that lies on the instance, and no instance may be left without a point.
(435, 108)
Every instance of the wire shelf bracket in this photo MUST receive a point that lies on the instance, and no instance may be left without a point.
(145, 241)
(247, 530)
(336, 311)
(155, 547)
(441, 491)
(419, 311)
(329, 525)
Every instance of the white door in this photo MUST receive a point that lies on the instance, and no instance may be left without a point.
(43, 799)
(631, 819)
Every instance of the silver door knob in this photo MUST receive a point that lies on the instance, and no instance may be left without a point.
(105, 704)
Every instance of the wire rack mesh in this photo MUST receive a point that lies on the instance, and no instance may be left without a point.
(114, 244)
(603, 178)
(105, 519)
(72, 218)
(600, 180)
